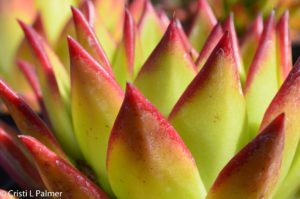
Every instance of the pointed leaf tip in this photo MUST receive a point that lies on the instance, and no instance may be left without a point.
(129, 39)
(261, 156)
(263, 71)
(87, 38)
(147, 147)
(167, 71)
(203, 22)
(27, 120)
(93, 93)
(58, 175)
(211, 42)
(218, 74)
(229, 26)
(284, 54)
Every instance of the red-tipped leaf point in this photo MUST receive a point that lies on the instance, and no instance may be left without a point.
(229, 26)
(211, 42)
(287, 100)
(155, 158)
(262, 80)
(214, 96)
(250, 42)
(31, 76)
(16, 160)
(88, 39)
(202, 24)
(27, 120)
(254, 171)
(167, 71)
(58, 175)
(128, 55)
(284, 54)
(129, 39)
(95, 101)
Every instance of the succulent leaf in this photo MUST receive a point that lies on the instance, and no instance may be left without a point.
(137, 8)
(253, 172)
(211, 42)
(167, 71)
(55, 87)
(16, 160)
(31, 76)
(151, 29)
(61, 47)
(27, 120)
(203, 23)
(284, 54)
(229, 26)
(155, 158)
(114, 22)
(58, 175)
(287, 100)
(249, 42)
(87, 38)
(203, 114)
(128, 58)
(262, 84)
(96, 99)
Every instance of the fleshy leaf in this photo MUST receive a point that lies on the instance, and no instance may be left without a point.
(96, 100)
(61, 45)
(167, 72)
(211, 42)
(150, 28)
(27, 120)
(128, 58)
(284, 54)
(253, 172)
(112, 20)
(55, 87)
(287, 100)
(214, 96)
(203, 23)
(185, 40)
(31, 76)
(262, 84)
(58, 175)
(155, 158)
(87, 38)
(16, 160)
(229, 26)
(105, 38)
(249, 43)
(137, 8)
(23, 52)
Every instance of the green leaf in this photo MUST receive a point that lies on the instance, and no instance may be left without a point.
(210, 115)
(203, 23)
(96, 99)
(58, 175)
(262, 84)
(287, 100)
(167, 72)
(147, 147)
(253, 172)
(249, 42)
(55, 87)
(150, 28)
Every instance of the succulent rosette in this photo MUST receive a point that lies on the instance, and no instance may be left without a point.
(132, 107)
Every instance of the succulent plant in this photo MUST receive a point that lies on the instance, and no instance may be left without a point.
(131, 107)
